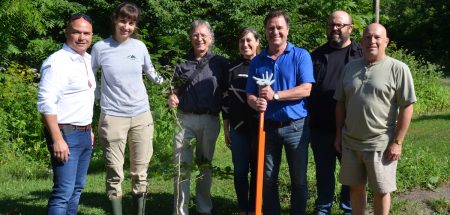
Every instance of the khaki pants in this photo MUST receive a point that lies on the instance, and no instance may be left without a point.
(115, 132)
(204, 129)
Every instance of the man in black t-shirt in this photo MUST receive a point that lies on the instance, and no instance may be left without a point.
(328, 61)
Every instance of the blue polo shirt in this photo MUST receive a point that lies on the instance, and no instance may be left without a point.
(292, 68)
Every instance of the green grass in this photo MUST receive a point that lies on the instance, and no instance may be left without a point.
(25, 185)
(441, 206)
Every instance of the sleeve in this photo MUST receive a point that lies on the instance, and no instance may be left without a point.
(226, 97)
(94, 59)
(306, 73)
(95, 64)
(149, 69)
(177, 80)
(405, 87)
(50, 89)
(251, 87)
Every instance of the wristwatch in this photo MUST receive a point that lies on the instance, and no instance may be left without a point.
(276, 96)
(398, 142)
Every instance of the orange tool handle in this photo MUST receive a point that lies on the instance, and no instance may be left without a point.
(260, 163)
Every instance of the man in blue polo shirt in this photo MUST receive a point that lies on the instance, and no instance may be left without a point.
(285, 111)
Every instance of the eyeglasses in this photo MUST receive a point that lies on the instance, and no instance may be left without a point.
(338, 26)
(79, 16)
(197, 35)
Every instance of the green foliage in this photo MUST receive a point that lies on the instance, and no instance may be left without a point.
(432, 96)
(17, 166)
(32, 30)
(421, 26)
(20, 124)
(28, 25)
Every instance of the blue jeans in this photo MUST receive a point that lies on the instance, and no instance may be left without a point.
(295, 138)
(244, 150)
(69, 177)
(322, 144)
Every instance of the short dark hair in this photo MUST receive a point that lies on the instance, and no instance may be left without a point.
(276, 13)
(246, 30)
(77, 16)
(129, 11)
(126, 10)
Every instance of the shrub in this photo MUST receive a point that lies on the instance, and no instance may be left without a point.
(20, 124)
(432, 96)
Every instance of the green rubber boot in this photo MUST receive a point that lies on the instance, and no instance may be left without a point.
(116, 206)
(139, 204)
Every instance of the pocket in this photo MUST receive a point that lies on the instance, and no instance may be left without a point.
(67, 130)
(298, 125)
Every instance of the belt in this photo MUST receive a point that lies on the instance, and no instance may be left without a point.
(75, 127)
(201, 112)
(280, 123)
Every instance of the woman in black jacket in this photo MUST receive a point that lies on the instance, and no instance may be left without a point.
(241, 123)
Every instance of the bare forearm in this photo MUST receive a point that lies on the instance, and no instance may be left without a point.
(251, 101)
(340, 117)
(299, 92)
(403, 121)
(226, 126)
(51, 122)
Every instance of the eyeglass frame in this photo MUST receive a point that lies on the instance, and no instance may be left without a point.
(201, 36)
(338, 26)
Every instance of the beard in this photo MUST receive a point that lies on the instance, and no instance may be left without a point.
(339, 39)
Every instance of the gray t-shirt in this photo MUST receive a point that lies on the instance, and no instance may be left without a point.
(372, 95)
(122, 87)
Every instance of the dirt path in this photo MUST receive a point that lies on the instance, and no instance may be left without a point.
(420, 201)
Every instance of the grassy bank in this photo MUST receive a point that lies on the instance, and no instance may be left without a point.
(25, 185)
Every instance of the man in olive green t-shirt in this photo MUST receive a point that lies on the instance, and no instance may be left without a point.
(374, 108)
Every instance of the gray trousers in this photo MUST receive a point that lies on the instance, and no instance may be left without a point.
(197, 133)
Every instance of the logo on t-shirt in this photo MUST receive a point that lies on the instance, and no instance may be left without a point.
(131, 57)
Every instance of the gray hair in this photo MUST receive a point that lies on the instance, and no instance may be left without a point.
(199, 22)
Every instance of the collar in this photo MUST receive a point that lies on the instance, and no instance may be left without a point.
(288, 49)
(245, 61)
(191, 56)
(72, 54)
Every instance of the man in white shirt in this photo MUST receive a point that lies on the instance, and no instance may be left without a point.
(65, 100)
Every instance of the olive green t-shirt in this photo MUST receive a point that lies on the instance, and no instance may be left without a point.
(372, 95)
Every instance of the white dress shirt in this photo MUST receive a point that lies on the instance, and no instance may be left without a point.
(67, 87)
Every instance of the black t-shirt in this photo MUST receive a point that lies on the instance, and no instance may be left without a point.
(336, 62)
(328, 65)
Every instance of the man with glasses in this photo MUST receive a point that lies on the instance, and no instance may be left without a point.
(65, 100)
(328, 61)
(199, 83)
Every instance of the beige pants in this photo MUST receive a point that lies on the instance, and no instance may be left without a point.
(115, 132)
(358, 167)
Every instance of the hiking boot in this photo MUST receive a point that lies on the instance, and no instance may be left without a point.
(139, 204)
(116, 206)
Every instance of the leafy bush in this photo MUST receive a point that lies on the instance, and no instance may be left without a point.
(432, 96)
(20, 124)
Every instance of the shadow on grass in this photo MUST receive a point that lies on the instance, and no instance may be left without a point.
(432, 117)
(24, 205)
(97, 165)
(157, 203)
